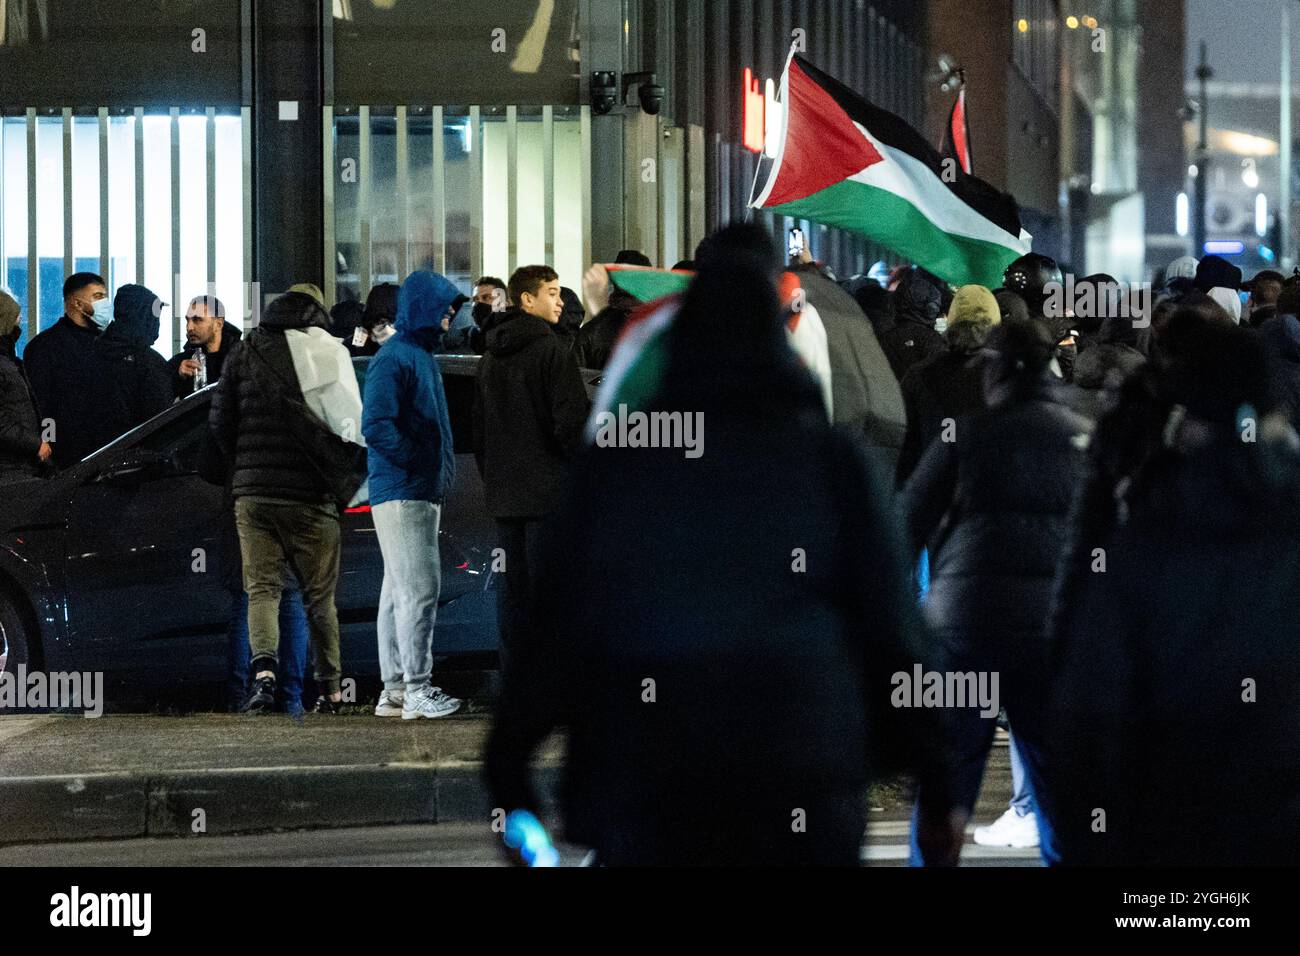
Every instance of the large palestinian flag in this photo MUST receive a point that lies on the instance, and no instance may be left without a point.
(847, 163)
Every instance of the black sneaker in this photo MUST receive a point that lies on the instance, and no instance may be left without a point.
(326, 706)
(262, 700)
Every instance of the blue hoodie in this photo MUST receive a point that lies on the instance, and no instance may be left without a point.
(405, 421)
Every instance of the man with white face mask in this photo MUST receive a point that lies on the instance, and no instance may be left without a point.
(58, 364)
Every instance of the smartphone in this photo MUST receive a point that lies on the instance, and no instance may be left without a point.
(796, 244)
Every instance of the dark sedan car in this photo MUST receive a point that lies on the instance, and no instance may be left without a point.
(114, 565)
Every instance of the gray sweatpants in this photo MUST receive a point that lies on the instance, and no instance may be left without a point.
(408, 601)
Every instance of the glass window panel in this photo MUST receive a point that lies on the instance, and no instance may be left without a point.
(531, 224)
(49, 218)
(230, 217)
(568, 203)
(347, 189)
(13, 206)
(460, 144)
(385, 215)
(85, 193)
(496, 211)
(192, 276)
(158, 213)
(420, 223)
(121, 200)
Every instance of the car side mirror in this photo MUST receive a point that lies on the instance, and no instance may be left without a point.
(137, 467)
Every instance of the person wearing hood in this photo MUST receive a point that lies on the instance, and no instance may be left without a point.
(23, 452)
(993, 506)
(1221, 281)
(411, 464)
(610, 309)
(912, 337)
(209, 340)
(948, 383)
(58, 365)
(285, 396)
(667, 569)
(377, 320)
(136, 384)
(530, 406)
(1172, 682)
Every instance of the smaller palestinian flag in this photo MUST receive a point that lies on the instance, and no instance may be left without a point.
(847, 163)
(956, 138)
(646, 285)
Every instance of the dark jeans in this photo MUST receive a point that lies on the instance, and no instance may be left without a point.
(971, 735)
(307, 536)
(294, 637)
(519, 538)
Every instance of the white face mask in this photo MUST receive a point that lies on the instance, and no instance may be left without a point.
(382, 332)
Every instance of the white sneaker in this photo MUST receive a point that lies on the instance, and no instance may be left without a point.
(390, 703)
(1010, 829)
(429, 702)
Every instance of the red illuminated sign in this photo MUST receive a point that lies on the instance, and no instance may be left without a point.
(754, 115)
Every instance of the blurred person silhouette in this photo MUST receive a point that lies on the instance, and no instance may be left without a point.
(715, 687)
(992, 507)
(1174, 677)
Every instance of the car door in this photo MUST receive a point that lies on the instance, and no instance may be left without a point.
(147, 582)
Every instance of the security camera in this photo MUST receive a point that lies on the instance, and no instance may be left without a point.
(650, 93)
(604, 91)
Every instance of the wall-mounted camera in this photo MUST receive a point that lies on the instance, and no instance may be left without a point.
(650, 93)
(604, 91)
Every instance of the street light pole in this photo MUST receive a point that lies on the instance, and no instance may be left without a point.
(1203, 73)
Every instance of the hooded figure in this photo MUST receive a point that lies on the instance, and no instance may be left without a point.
(1153, 708)
(948, 383)
(405, 422)
(993, 506)
(917, 302)
(135, 383)
(20, 430)
(725, 624)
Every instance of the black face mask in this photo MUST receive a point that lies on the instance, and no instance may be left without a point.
(481, 311)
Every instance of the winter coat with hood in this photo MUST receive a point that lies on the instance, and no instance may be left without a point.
(724, 622)
(994, 507)
(20, 429)
(405, 421)
(249, 420)
(948, 384)
(530, 406)
(183, 385)
(912, 337)
(134, 382)
(1152, 661)
(596, 340)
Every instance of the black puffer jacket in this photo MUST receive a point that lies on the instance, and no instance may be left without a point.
(134, 381)
(945, 385)
(20, 430)
(912, 337)
(530, 406)
(1173, 686)
(994, 506)
(596, 340)
(250, 425)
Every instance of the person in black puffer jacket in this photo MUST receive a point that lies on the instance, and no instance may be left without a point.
(285, 488)
(1174, 674)
(993, 507)
(135, 382)
(912, 336)
(949, 383)
(23, 454)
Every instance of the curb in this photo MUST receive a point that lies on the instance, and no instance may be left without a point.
(56, 809)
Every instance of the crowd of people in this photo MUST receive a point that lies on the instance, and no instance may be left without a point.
(1101, 509)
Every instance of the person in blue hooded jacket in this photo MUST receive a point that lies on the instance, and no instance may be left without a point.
(411, 467)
